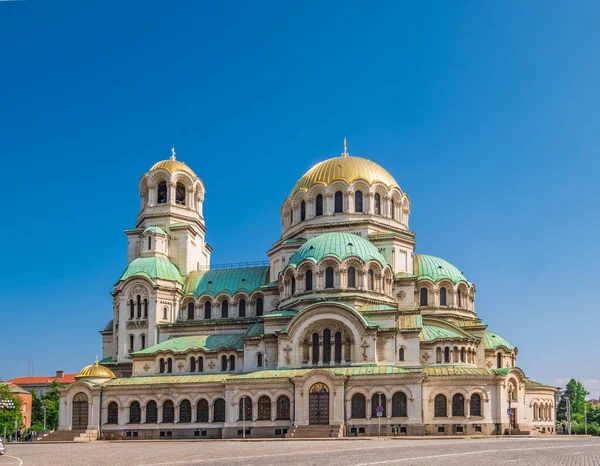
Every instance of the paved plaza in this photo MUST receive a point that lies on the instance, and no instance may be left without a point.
(449, 452)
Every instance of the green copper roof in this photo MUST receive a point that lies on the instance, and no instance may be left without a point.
(441, 371)
(446, 331)
(338, 245)
(199, 342)
(493, 340)
(282, 313)
(109, 326)
(158, 230)
(436, 269)
(14, 388)
(230, 281)
(108, 361)
(410, 322)
(152, 267)
(255, 330)
(377, 307)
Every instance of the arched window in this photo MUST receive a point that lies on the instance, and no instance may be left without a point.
(351, 277)
(232, 362)
(190, 311)
(145, 308)
(264, 408)
(207, 310)
(475, 405)
(219, 410)
(180, 194)
(162, 192)
(113, 413)
(440, 406)
(319, 205)
(315, 348)
(149, 242)
(293, 285)
(139, 306)
(378, 399)
(308, 280)
(302, 211)
(359, 404)
(329, 277)
(458, 299)
(326, 346)
(135, 413)
(371, 280)
(165, 311)
(377, 204)
(291, 217)
(259, 360)
(131, 309)
(161, 366)
(401, 354)
(443, 296)
(424, 295)
(200, 364)
(260, 306)
(223, 363)
(339, 202)
(169, 365)
(202, 411)
(458, 405)
(338, 347)
(245, 409)
(168, 412)
(283, 407)
(438, 355)
(393, 209)
(499, 360)
(185, 411)
(224, 309)
(242, 308)
(462, 355)
(151, 412)
(131, 338)
(358, 201)
(399, 405)
(192, 364)
(446, 354)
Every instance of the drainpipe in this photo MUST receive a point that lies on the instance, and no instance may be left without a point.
(100, 415)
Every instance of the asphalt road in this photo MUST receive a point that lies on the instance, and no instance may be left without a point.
(363, 452)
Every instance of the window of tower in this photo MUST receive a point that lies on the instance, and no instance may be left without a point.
(377, 204)
(309, 280)
(393, 209)
(180, 194)
(329, 277)
(371, 280)
(319, 205)
(351, 277)
(224, 309)
(339, 202)
(302, 211)
(149, 242)
(259, 307)
(358, 201)
(162, 192)
(242, 308)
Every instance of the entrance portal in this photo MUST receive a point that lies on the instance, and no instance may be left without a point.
(79, 420)
(318, 404)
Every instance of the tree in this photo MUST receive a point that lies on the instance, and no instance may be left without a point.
(50, 401)
(576, 393)
(9, 416)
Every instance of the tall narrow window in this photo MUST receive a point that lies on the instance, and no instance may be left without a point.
(135, 413)
(377, 204)
(446, 354)
(458, 405)
(462, 355)
(232, 362)
(358, 406)
(260, 306)
(245, 409)
(351, 277)
(293, 285)
(242, 308)
(161, 366)
(219, 410)
(149, 243)
(207, 310)
(185, 411)
(180, 194)
(371, 279)
(401, 354)
(283, 407)
(319, 205)
(339, 202)
(358, 201)
(438, 355)
(168, 412)
(458, 299)
(190, 311)
(423, 300)
(169, 365)
(329, 277)
(442, 296)
(151, 412)
(162, 192)
(143, 341)
(440, 406)
(224, 309)
(200, 364)
(499, 360)
(315, 348)
(302, 211)
(192, 364)
(326, 346)
(131, 343)
(399, 405)
(145, 308)
(308, 280)
(259, 360)
(291, 217)
(475, 405)
(139, 306)
(393, 209)
(131, 309)
(338, 348)
(165, 313)
(264, 408)
(202, 411)
(223, 363)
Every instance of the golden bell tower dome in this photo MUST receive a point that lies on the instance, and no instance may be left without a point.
(172, 165)
(95, 371)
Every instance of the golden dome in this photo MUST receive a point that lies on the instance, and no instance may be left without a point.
(95, 371)
(345, 168)
(173, 165)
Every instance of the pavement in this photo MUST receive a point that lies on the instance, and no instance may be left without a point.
(488, 451)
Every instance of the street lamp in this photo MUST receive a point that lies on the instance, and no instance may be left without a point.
(568, 400)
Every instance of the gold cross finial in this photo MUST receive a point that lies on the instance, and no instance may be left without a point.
(173, 152)
(96, 360)
(345, 153)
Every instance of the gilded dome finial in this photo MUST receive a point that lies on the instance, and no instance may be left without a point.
(173, 152)
(345, 153)
(96, 360)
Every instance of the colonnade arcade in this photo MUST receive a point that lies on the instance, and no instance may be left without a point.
(326, 343)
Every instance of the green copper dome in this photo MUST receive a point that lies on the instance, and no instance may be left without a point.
(338, 245)
(152, 267)
(492, 340)
(436, 269)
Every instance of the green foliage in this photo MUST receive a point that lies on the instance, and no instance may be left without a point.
(576, 393)
(50, 401)
(9, 416)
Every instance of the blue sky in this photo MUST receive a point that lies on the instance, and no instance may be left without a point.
(485, 113)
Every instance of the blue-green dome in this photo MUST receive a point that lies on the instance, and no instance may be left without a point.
(338, 245)
(436, 269)
(158, 230)
(152, 267)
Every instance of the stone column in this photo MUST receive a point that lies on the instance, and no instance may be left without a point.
(273, 410)
(171, 199)
(310, 209)
(328, 207)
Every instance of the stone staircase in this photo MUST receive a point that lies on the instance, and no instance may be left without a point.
(70, 436)
(316, 431)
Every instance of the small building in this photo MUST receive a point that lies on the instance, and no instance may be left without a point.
(40, 384)
(27, 399)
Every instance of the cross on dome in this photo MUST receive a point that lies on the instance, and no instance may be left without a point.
(173, 152)
(345, 153)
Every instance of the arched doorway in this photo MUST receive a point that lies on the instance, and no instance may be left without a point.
(318, 404)
(80, 412)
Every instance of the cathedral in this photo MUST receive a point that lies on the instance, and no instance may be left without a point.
(345, 331)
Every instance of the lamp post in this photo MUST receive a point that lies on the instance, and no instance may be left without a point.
(44, 418)
(509, 413)
(568, 400)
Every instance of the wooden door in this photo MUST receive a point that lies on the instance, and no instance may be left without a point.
(318, 404)
(79, 420)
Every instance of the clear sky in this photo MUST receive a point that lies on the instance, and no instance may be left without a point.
(485, 112)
